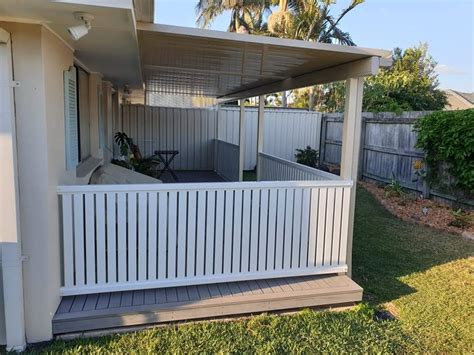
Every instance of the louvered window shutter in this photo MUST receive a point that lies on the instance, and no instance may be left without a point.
(70, 116)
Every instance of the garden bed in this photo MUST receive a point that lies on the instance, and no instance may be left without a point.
(413, 208)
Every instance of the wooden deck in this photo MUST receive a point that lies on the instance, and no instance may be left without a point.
(131, 308)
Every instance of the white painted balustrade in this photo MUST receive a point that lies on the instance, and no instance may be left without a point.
(122, 237)
(278, 169)
(227, 160)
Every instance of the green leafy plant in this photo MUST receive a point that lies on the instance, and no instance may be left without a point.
(307, 156)
(394, 188)
(124, 142)
(461, 219)
(447, 138)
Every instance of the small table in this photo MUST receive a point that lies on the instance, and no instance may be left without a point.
(166, 157)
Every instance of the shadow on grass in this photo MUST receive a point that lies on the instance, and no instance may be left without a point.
(387, 248)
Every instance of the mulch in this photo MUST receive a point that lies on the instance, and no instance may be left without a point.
(415, 209)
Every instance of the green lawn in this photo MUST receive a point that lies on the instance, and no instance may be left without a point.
(423, 276)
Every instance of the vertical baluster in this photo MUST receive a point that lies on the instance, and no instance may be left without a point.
(68, 240)
(100, 237)
(90, 239)
(190, 271)
(142, 235)
(152, 235)
(122, 236)
(321, 226)
(79, 239)
(132, 236)
(182, 229)
(201, 233)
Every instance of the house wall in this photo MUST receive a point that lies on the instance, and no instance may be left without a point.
(39, 60)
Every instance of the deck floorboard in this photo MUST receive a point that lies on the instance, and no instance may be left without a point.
(84, 313)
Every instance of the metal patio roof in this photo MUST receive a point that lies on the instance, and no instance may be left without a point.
(228, 66)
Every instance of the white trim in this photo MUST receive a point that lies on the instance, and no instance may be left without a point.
(359, 68)
(118, 4)
(260, 132)
(20, 20)
(124, 286)
(59, 37)
(67, 189)
(241, 140)
(81, 65)
(302, 167)
(246, 38)
(10, 233)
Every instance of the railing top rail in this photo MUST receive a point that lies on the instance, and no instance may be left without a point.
(66, 189)
(302, 167)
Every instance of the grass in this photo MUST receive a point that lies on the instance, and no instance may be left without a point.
(422, 276)
(250, 175)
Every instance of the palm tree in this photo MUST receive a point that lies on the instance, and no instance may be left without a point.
(245, 15)
(310, 20)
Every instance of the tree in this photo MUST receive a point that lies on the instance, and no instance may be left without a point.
(410, 84)
(245, 15)
(310, 20)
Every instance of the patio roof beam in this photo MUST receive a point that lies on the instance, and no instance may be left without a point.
(356, 69)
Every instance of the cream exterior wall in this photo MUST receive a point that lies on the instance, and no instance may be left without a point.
(39, 60)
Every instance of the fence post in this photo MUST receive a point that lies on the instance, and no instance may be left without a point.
(322, 140)
(216, 134)
(361, 167)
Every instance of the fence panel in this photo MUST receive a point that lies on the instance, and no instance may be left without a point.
(227, 161)
(176, 234)
(285, 131)
(388, 146)
(278, 169)
(189, 131)
(192, 131)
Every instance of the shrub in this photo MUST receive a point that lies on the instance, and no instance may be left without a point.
(307, 156)
(447, 137)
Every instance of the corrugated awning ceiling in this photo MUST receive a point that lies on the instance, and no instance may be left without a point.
(193, 62)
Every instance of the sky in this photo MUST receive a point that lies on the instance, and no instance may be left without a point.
(447, 26)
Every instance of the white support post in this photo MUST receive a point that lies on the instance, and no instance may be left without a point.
(242, 140)
(10, 241)
(351, 135)
(260, 132)
(216, 135)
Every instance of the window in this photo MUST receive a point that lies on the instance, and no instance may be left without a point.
(71, 121)
(84, 126)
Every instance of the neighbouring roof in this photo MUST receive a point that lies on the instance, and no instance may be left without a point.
(459, 100)
(469, 96)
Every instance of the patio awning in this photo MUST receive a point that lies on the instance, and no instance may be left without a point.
(225, 66)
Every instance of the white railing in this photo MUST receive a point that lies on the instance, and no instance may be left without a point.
(277, 169)
(122, 237)
(227, 160)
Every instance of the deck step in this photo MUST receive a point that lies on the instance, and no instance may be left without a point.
(132, 308)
